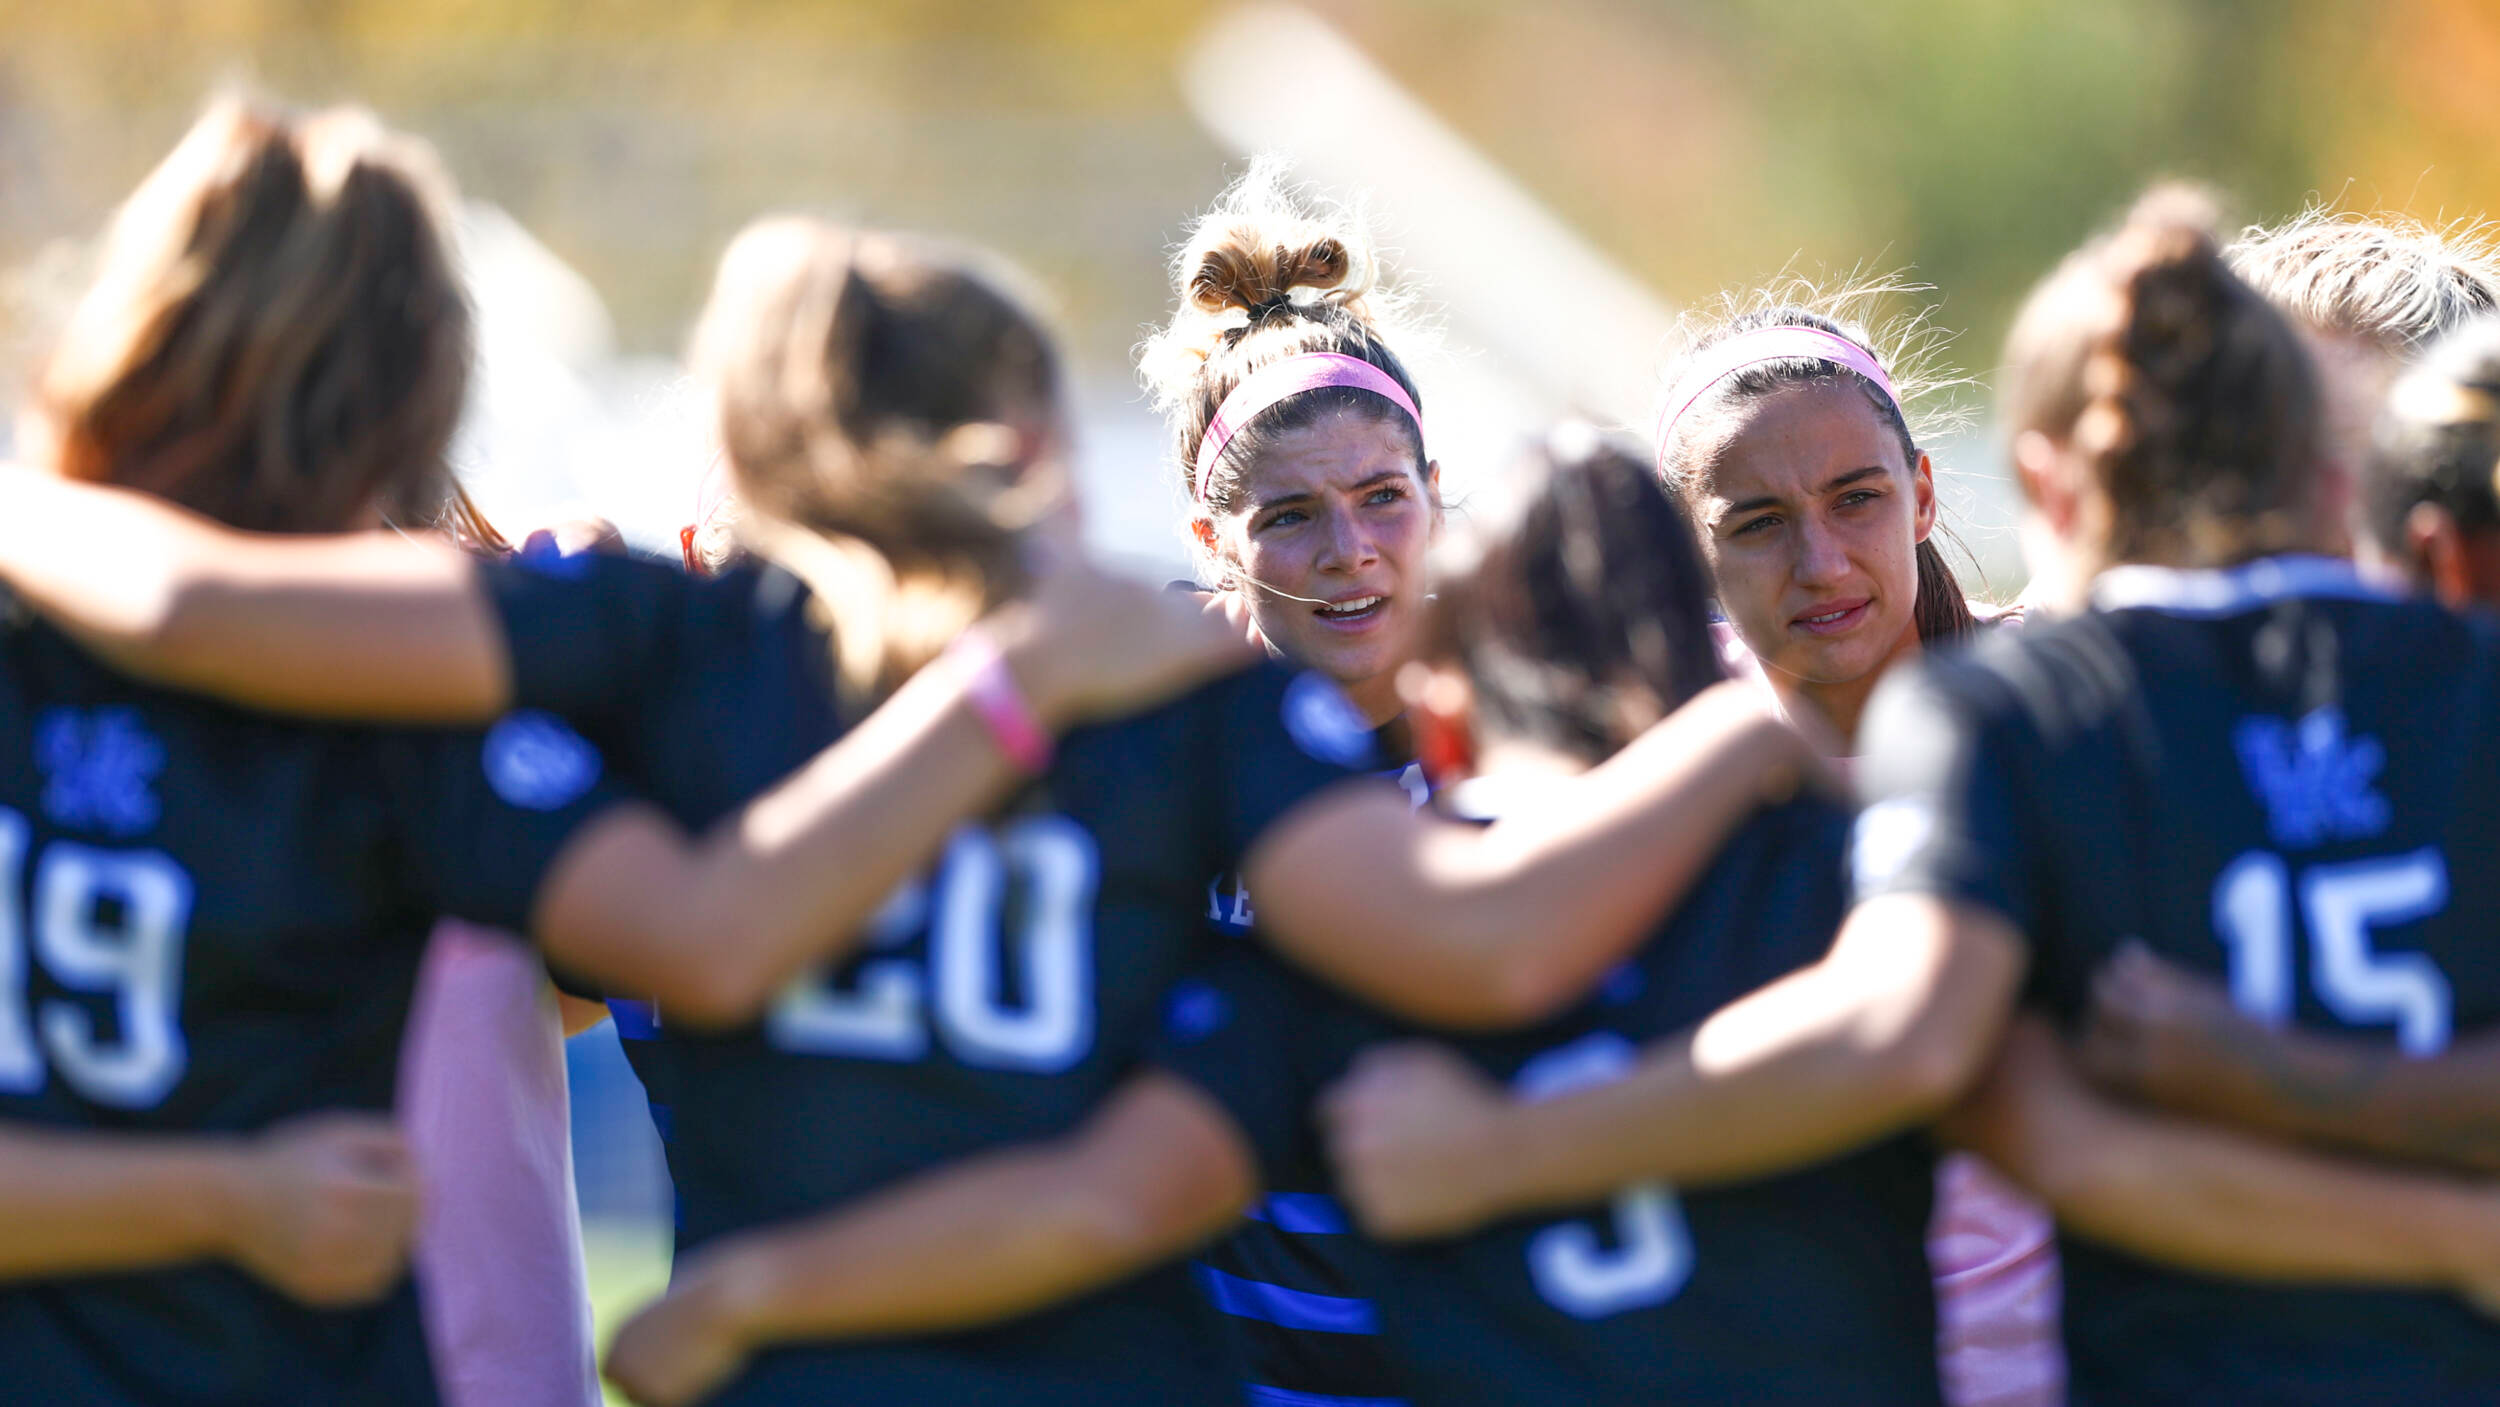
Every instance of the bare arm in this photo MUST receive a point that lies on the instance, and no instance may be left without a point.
(1158, 1170)
(369, 626)
(1885, 1032)
(321, 1208)
(2173, 1039)
(1503, 925)
(713, 927)
(2213, 1201)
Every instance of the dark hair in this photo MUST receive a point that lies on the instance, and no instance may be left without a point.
(1266, 276)
(1941, 611)
(2439, 441)
(275, 336)
(1575, 597)
(2190, 393)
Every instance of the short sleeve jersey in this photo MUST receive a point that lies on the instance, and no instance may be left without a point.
(999, 997)
(2274, 775)
(1811, 1287)
(210, 921)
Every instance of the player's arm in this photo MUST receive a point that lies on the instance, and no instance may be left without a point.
(322, 1208)
(713, 926)
(360, 626)
(1503, 925)
(2173, 1039)
(2219, 1202)
(1885, 1032)
(1158, 1170)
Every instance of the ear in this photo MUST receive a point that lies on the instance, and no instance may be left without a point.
(1441, 713)
(1432, 490)
(1923, 495)
(2432, 540)
(2041, 471)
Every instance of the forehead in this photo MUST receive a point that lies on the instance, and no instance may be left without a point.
(1793, 441)
(1335, 451)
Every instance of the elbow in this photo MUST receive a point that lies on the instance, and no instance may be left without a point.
(1928, 1069)
(714, 985)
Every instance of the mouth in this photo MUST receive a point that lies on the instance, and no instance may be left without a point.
(1354, 612)
(1840, 617)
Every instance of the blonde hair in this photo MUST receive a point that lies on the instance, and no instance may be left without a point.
(275, 335)
(2390, 280)
(881, 407)
(1269, 272)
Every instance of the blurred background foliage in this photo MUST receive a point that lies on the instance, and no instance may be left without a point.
(1701, 143)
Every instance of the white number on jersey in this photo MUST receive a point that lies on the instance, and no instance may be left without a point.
(887, 1015)
(136, 959)
(2339, 904)
(1652, 1254)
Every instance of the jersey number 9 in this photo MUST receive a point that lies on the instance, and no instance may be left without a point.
(1049, 864)
(131, 952)
(1652, 1252)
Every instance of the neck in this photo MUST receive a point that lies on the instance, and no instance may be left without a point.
(1839, 705)
(1376, 697)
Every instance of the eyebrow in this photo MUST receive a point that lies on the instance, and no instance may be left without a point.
(1772, 500)
(1262, 505)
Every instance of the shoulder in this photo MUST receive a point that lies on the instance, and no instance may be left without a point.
(1268, 704)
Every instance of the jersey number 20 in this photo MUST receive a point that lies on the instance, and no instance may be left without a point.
(2339, 904)
(135, 957)
(887, 1013)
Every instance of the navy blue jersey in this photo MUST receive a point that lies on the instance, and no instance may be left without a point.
(2273, 775)
(1302, 1334)
(210, 921)
(1807, 1288)
(999, 997)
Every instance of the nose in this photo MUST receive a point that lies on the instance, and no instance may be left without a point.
(1822, 559)
(1349, 546)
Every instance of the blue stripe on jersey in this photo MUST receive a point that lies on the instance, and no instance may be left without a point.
(635, 1021)
(1289, 1309)
(1302, 1213)
(1280, 1397)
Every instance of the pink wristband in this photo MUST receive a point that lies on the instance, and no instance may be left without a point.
(1003, 708)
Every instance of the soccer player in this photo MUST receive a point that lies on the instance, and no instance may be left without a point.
(2233, 748)
(210, 920)
(893, 428)
(1788, 437)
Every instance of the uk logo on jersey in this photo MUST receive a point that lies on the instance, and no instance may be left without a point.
(100, 769)
(2315, 782)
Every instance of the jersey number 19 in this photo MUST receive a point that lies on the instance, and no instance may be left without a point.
(130, 951)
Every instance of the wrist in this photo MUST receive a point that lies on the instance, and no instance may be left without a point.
(737, 1289)
(1004, 700)
(215, 1208)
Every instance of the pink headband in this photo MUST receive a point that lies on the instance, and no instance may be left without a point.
(1291, 377)
(1766, 344)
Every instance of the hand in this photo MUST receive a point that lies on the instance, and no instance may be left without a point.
(1416, 1136)
(1086, 643)
(683, 1346)
(324, 1208)
(2164, 1035)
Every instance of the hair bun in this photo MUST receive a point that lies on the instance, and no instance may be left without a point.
(1240, 266)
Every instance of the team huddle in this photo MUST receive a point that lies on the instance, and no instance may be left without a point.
(1644, 934)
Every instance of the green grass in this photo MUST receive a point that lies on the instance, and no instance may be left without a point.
(628, 1266)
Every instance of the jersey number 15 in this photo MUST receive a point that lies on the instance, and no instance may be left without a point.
(2339, 905)
(134, 956)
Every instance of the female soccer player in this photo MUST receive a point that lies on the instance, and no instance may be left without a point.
(2227, 723)
(210, 921)
(892, 424)
(1575, 623)
(1789, 437)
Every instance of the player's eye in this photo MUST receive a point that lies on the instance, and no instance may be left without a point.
(1386, 493)
(1755, 527)
(1282, 518)
(1856, 497)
